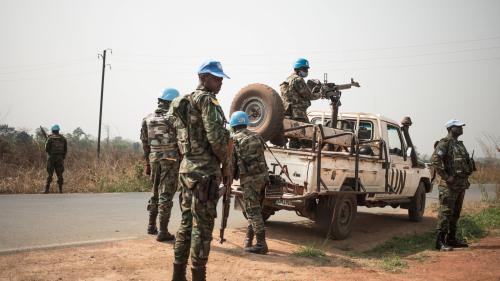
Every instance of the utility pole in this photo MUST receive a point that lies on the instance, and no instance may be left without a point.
(103, 56)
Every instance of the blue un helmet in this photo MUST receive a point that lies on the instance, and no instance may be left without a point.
(238, 118)
(301, 63)
(169, 94)
(212, 67)
(55, 128)
(454, 122)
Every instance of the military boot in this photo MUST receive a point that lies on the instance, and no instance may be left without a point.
(198, 272)
(152, 223)
(47, 187)
(179, 272)
(261, 245)
(163, 234)
(248, 237)
(441, 243)
(452, 240)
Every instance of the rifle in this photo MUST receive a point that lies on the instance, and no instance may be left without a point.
(44, 134)
(227, 175)
(472, 163)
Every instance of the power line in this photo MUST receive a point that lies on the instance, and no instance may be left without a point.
(49, 77)
(334, 51)
(43, 68)
(45, 64)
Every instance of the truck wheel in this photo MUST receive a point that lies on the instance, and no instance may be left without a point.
(417, 205)
(265, 110)
(345, 212)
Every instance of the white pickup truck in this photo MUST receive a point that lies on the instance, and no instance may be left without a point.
(364, 160)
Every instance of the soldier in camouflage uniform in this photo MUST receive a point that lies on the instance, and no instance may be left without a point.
(251, 169)
(202, 141)
(159, 140)
(56, 148)
(297, 97)
(453, 167)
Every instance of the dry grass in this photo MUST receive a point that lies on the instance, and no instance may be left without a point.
(23, 167)
(115, 172)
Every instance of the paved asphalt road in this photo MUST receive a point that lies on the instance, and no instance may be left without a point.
(31, 221)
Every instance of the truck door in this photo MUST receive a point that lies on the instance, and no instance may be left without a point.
(400, 173)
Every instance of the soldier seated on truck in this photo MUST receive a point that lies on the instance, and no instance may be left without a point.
(297, 98)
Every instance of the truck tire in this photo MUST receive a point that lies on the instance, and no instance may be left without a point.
(416, 207)
(265, 110)
(345, 212)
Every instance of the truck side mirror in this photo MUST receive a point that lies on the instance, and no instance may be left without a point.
(408, 151)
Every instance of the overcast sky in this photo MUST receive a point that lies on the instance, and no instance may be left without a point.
(431, 60)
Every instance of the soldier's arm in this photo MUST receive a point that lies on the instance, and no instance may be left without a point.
(437, 160)
(236, 170)
(213, 124)
(65, 147)
(47, 145)
(172, 120)
(301, 87)
(144, 140)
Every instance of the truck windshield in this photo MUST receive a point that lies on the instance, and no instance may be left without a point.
(365, 131)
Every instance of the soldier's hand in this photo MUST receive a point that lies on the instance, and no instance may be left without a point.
(450, 179)
(147, 169)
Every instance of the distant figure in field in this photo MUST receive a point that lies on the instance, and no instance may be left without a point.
(56, 148)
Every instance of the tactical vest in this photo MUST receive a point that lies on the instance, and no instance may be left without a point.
(161, 132)
(458, 161)
(290, 96)
(250, 150)
(56, 144)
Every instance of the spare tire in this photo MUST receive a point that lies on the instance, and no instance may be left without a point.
(265, 111)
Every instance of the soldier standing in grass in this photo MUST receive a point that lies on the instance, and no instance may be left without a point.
(202, 141)
(297, 96)
(56, 148)
(251, 169)
(453, 166)
(159, 141)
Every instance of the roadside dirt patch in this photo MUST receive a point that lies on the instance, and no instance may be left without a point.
(146, 259)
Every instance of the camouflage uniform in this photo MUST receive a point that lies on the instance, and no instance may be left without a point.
(251, 169)
(202, 141)
(296, 99)
(450, 158)
(160, 149)
(56, 148)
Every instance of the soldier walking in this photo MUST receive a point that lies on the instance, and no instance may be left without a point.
(159, 141)
(297, 96)
(202, 141)
(453, 167)
(56, 148)
(251, 169)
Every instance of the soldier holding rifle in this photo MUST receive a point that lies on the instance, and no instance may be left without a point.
(202, 140)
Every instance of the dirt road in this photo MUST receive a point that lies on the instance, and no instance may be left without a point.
(146, 259)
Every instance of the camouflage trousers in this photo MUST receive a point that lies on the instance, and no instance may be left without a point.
(450, 206)
(55, 164)
(253, 208)
(164, 175)
(199, 202)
